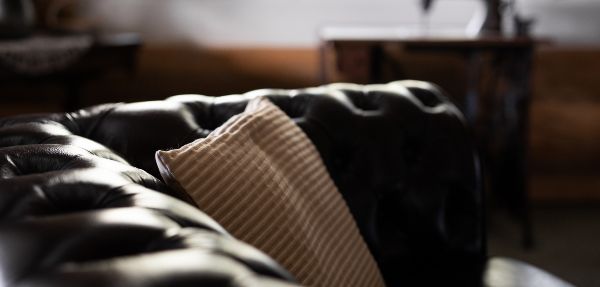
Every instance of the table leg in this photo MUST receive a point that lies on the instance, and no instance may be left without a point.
(357, 63)
(472, 97)
(521, 77)
(509, 153)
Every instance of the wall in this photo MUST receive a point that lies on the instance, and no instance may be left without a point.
(265, 22)
(297, 22)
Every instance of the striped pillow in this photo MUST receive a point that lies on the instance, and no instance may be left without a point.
(261, 178)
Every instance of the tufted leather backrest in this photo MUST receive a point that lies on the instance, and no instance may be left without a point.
(74, 213)
(399, 153)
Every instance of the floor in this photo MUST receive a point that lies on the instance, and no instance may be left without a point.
(567, 242)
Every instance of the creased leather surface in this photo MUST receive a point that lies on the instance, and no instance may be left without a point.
(80, 202)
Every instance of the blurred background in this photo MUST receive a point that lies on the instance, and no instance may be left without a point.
(58, 55)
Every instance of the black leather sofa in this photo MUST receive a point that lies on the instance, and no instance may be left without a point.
(82, 202)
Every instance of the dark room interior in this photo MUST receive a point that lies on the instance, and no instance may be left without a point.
(422, 143)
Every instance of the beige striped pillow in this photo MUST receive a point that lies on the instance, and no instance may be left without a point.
(262, 178)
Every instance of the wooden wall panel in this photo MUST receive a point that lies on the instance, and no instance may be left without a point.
(565, 113)
(565, 125)
(169, 70)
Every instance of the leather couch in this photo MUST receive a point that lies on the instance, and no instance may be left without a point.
(82, 202)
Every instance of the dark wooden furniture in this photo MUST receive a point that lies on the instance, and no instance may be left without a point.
(108, 53)
(498, 107)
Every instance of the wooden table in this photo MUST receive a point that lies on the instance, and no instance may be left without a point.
(498, 111)
(108, 53)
